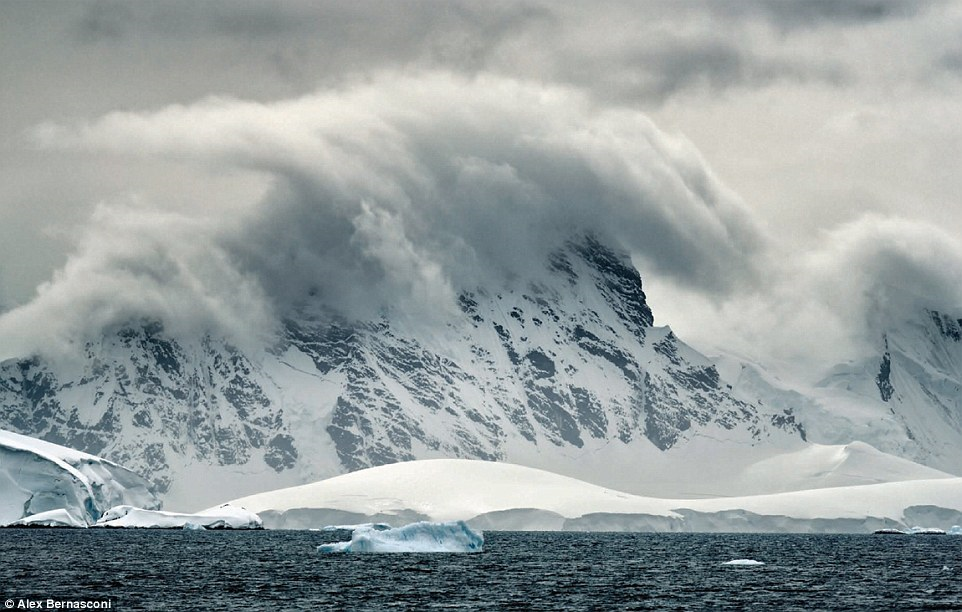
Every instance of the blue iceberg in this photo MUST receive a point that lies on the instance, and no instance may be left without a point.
(453, 537)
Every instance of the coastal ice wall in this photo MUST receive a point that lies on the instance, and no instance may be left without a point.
(38, 477)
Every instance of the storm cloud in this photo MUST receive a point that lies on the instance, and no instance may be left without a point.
(211, 164)
(394, 193)
(836, 302)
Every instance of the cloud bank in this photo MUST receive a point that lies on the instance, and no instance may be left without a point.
(391, 193)
(834, 302)
(399, 191)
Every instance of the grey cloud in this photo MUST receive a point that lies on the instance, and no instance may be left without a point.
(814, 13)
(397, 194)
(624, 50)
(951, 61)
(834, 302)
(342, 206)
(372, 31)
(114, 20)
(879, 271)
(678, 65)
(104, 20)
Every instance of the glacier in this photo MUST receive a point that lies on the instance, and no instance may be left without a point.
(47, 484)
(511, 497)
(420, 537)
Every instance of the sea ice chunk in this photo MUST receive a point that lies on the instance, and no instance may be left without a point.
(926, 531)
(425, 536)
(955, 530)
(743, 562)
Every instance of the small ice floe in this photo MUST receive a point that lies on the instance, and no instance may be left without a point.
(188, 526)
(454, 537)
(375, 526)
(954, 530)
(946, 568)
(745, 562)
(926, 531)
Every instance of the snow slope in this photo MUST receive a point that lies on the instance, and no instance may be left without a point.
(38, 477)
(906, 400)
(503, 496)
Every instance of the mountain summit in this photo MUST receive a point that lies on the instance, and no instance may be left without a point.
(564, 369)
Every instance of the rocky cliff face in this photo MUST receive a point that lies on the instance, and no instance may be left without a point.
(558, 365)
(920, 381)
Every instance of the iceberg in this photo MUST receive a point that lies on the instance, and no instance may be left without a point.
(955, 530)
(38, 477)
(421, 537)
(744, 562)
(226, 516)
(926, 531)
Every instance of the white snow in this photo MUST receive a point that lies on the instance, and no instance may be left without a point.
(51, 518)
(420, 537)
(448, 490)
(37, 477)
(744, 562)
(227, 516)
(504, 496)
(919, 421)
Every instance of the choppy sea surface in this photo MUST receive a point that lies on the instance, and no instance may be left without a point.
(281, 570)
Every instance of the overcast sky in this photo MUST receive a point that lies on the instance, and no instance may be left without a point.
(785, 174)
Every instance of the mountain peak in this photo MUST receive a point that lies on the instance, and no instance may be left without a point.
(560, 366)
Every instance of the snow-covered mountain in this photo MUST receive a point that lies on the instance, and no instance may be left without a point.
(906, 400)
(563, 370)
(38, 477)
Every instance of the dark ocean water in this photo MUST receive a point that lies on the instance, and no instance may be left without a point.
(280, 570)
